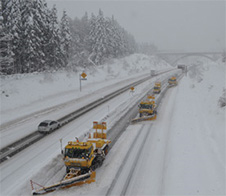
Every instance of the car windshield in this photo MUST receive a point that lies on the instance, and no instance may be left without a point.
(145, 106)
(77, 152)
(43, 124)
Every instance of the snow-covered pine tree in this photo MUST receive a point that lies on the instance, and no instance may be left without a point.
(131, 45)
(84, 40)
(117, 39)
(110, 38)
(27, 42)
(76, 43)
(41, 18)
(7, 10)
(98, 39)
(5, 49)
(55, 55)
(79, 32)
(128, 44)
(91, 37)
(34, 29)
(65, 36)
(85, 29)
(11, 22)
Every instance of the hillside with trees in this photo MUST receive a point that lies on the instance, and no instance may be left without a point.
(32, 39)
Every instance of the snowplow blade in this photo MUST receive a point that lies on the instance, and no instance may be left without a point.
(144, 118)
(66, 183)
(172, 85)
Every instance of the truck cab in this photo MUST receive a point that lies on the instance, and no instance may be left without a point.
(90, 154)
(172, 81)
(157, 88)
(147, 108)
(78, 155)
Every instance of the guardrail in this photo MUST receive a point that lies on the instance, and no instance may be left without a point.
(19, 145)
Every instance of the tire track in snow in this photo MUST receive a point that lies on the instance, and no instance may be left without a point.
(132, 155)
(153, 158)
(165, 155)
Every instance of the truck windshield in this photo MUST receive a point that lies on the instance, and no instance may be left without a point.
(77, 152)
(145, 106)
(156, 88)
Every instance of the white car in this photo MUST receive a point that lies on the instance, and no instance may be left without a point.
(48, 126)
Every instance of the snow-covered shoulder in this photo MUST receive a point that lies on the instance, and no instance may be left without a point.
(197, 142)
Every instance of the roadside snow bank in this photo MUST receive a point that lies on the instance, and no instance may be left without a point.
(18, 91)
(196, 158)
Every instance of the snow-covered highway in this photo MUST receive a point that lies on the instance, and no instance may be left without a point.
(180, 156)
(24, 125)
(44, 149)
(148, 175)
(179, 153)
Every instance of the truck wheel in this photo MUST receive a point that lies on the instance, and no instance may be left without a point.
(100, 161)
(106, 150)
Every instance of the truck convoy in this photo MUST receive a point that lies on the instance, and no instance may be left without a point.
(172, 81)
(81, 159)
(157, 88)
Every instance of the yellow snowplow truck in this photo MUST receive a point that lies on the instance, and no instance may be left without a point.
(157, 88)
(81, 159)
(147, 110)
(172, 81)
(88, 155)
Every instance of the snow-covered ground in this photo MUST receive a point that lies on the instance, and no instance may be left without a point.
(184, 153)
(196, 145)
(52, 95)
(22, 95)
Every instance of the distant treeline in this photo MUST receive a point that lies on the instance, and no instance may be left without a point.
(33, 40)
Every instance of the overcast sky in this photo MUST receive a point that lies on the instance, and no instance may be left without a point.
(170, 25)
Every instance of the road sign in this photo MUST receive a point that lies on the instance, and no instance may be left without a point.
(83, 75)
